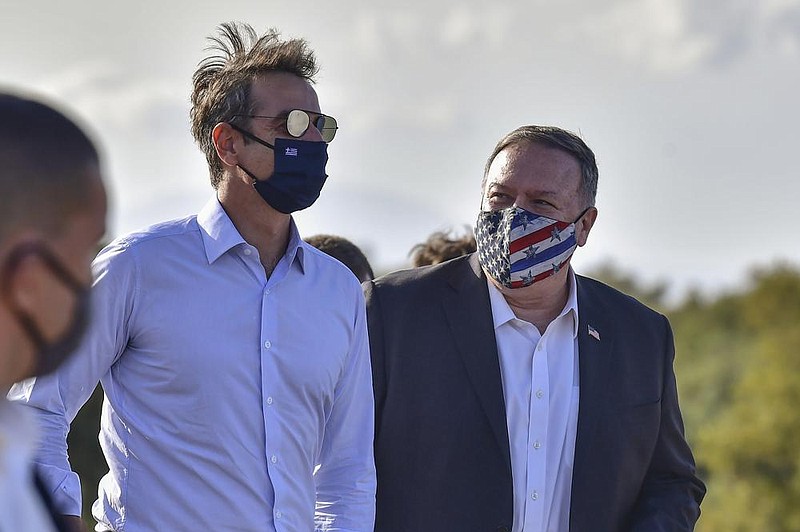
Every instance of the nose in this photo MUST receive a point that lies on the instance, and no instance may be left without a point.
(312, 134)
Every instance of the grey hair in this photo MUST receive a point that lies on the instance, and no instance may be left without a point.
(560, 139)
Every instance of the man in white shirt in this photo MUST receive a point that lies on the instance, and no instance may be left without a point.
(233, 356)
(52, 215)
(514, 395)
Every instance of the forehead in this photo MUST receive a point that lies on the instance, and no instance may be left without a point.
(276, 92)
(535, 166)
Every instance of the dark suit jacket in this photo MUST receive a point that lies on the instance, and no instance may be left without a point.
(441, 441)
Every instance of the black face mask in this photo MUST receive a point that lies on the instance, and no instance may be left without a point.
(299, 173)
(48, 355)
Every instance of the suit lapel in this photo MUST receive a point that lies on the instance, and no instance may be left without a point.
(469, 316)
(595, 340)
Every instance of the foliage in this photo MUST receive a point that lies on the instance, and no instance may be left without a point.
(748, 433)
(738, 369)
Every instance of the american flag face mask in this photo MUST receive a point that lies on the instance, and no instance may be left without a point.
(518, 248)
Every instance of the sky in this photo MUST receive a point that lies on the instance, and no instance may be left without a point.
(690, 107)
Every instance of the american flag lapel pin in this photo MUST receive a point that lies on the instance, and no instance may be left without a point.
(593, 333)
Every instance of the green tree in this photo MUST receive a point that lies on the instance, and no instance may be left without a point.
(738, 369)
(751, 451)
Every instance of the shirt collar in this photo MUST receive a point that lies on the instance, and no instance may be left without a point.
(220, 235)
(295, 252)
(502, 313)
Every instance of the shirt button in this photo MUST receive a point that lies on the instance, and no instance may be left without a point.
(269, 400)
(536, 444)
(247, 251)
(267, 344)
(534, 496)
(539, 347)
(539, 394)
(273, 459)
(278, 514)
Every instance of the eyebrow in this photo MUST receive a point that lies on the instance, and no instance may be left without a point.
(545, 193)
(548, 193)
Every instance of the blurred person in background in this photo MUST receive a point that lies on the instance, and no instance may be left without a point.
(233, 356)
(345, 252)
(441, 247)
(513, 394)
(52, 215)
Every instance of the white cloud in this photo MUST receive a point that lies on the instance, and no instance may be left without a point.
(654, 33)
(781, 23)
(459, 26)
(106, 95)
(366, 36)
(465, 26)
(678, 36)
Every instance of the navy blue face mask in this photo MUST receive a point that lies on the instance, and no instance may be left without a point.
(299, 173)
(49, 355)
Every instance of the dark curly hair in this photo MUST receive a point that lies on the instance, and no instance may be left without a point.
(345, 252)
(441, 247)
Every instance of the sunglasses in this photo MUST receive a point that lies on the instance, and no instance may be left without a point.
(298, 122)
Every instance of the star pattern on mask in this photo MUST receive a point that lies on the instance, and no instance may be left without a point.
(527, 279)
(555, 234)
(530, 251)
(523, 220)
(491, 234)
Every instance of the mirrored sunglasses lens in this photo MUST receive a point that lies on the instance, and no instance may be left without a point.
(327, 127)
(297, 123)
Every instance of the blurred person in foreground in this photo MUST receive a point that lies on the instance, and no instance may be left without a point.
(345, 252)
(440, 247)
(512, 393)
(52, 215)
(233, 356)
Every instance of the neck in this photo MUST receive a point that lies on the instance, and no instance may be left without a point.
(260, 225)
(541, 302)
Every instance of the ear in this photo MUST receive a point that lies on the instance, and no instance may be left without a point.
(226, 142)
(584, 226)
(24, 283)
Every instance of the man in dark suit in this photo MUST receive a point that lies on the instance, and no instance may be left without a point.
(513, 394)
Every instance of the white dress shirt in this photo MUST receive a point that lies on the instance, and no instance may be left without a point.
(224, 390)
(540, 386)
(21, 507)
